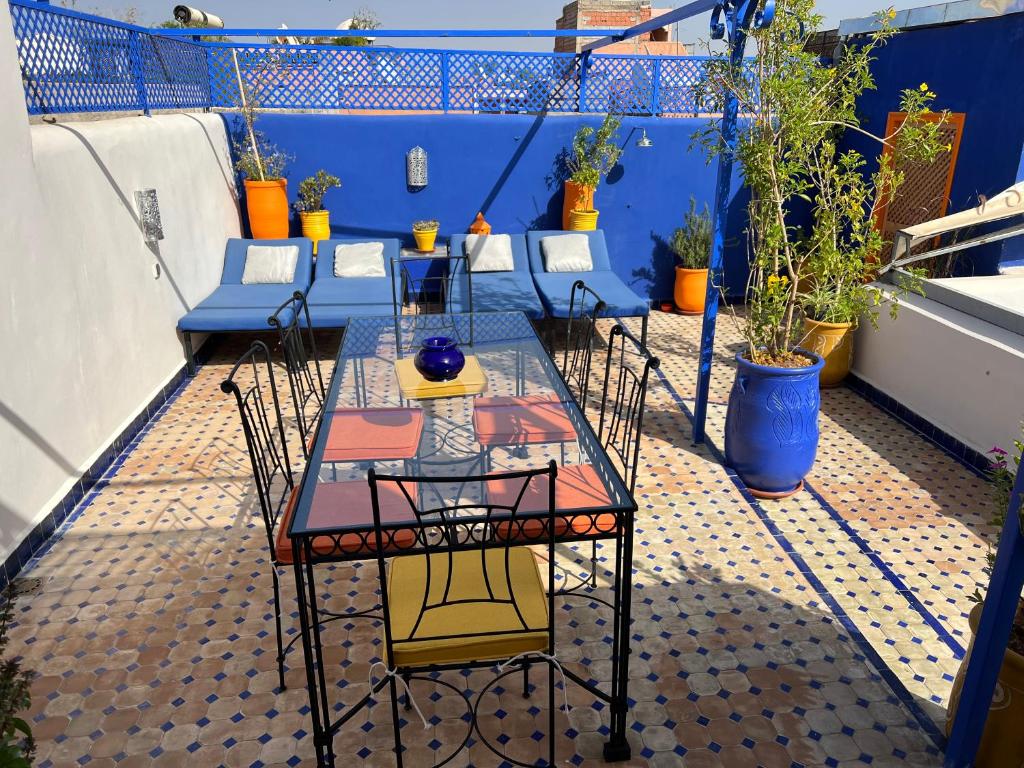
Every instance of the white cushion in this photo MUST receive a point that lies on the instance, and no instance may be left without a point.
(567, 253)
(270, 264)
(359, 260)
(490, 253)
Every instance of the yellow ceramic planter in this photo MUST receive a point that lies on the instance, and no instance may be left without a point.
(691, 290)
(425, 239)
(1002, 743)
(316, 225)
(576, 198)
(834, 342)
(583, 221)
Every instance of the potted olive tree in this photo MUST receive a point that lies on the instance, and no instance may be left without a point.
(789, 148)
(593, 154)
(261, 165)
(316, 220)
(1002, 742)
(691, 243)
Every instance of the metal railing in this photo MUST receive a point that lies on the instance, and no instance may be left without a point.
(75, 62)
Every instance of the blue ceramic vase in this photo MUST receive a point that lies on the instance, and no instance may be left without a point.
(440, 359)
(771, 427)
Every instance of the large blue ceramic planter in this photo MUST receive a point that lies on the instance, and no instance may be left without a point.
(439, 359)
(771, 428)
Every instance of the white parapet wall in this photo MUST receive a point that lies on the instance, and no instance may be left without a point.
(87, 326)
(961, 374)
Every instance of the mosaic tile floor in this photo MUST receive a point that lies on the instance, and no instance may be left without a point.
(823, 630)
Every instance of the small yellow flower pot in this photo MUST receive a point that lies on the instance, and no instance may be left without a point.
(316, 225)
(834, 342)
(425, 239)
(583, 221)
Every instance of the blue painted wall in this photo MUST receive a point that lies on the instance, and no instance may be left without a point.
(973, 69)
(504, 165)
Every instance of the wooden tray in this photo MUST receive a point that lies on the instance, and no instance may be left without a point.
(471, 381)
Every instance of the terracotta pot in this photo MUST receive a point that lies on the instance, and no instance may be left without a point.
(316, 225)
(267, 205)
(577, 197)
(834, 342)
(1002, 742)
(480, 226)
(583, 221)
(691, 290)
(425, 239)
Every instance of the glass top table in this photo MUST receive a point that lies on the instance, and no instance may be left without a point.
(366, 382)
(333, 518)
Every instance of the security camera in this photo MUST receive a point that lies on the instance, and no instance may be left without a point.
(193, 17)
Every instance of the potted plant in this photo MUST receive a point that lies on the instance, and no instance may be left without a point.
(261, 165)
(1002, 741)
(16, 744)
(316, 220)
(842, 251)
(594, 153)
(789, 148)
(691, 243)
(425, 232)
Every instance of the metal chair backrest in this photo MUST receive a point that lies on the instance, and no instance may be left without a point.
(627, 374)
(305, 380)
(462, 523)
(252, 383)
(431, 292)
(585, 306)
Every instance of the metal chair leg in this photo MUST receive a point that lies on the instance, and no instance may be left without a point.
(397, 722)
(526, 680)
(593, 565)
(280, 636)
(643, 331)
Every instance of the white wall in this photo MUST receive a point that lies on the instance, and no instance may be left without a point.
(961, 374)
(87, 326)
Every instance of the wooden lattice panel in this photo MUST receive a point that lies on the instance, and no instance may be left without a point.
(925, 193)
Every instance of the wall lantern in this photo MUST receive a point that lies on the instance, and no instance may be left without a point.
(149, 215)
(643, 142)
(416, 167)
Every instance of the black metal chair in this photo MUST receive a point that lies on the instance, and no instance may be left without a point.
(461, 597)
(627, 375)
(306, 383)
(434, 291)
(252, 383)
(265, 440)
(585, 306)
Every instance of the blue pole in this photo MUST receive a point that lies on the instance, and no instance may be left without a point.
(990, 643)
(737, 22)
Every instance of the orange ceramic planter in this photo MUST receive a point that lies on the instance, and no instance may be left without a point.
(834, 342)
(577, 197)
(267, 205)
(1002, 741)
(691, 290)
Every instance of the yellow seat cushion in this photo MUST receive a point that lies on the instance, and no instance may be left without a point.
(466, 620)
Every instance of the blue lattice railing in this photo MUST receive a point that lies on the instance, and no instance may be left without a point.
(74, 62)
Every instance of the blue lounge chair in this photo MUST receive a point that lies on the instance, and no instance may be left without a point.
(495, 291)
(555, 287)
(333, 300)
(237, 307)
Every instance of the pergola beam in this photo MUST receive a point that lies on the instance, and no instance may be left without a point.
(417, 33)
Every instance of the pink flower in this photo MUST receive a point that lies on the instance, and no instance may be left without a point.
(997, 451)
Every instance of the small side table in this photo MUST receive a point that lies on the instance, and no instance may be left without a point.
(424, 278)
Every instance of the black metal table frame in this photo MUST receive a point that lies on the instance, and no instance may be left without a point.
(306, 557)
